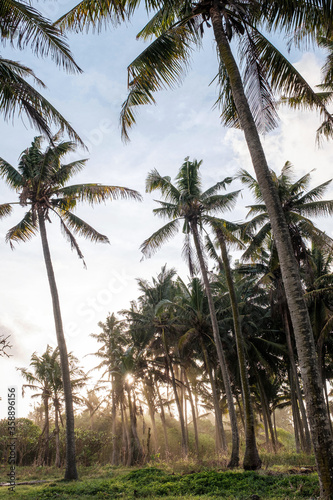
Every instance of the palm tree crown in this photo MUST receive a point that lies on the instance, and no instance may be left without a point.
(41, 181)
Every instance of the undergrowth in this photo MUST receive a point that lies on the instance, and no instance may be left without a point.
(162, 482)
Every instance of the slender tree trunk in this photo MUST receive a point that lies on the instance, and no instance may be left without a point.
(221, 441)
(56, 432)
(316, 408)
(147, 389)
(306, 445)
(135, 445)
(114, 458)
(71, 471)
(163, 420)
(43, 457)
(234, 460)
(194, 417)
(265, 406)
(179, 407)
(251, 456)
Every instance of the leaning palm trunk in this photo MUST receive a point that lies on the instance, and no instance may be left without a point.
(317, 412)
(251, 456)
(234, 460)
(71, 472)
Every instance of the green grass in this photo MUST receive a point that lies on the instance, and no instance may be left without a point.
(160, 482)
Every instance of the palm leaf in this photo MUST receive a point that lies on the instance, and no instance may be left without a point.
(222, 202)
(166, 210)
(155, 181)
(5, 209)
(97, 193)
(94, 14)
(81, 228)
(36, 31)
(162, 64)
(216, 188)
(12, 177)
(23, 231)
(17, 96)
(156, 240)
(256, 85)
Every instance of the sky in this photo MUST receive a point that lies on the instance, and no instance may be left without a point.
(183, 123)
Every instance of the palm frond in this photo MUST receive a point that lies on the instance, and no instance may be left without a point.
(23, 231)
(5, 209)
(315, 193)
(156, 240)
(252, 183)
(189, 255)
(18, 96)
(222, 202)
(70, 237)
(163, 64)
(256, 85)
(225, 101)
(216, 188)
(65, 172)
(11, 176)
(81, 228)
(97, 193)
(93, 14)
(27, 27)
(257, 242)
(166, 210)
(155, 181)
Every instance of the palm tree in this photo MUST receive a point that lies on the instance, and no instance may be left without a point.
(39, 380)
(21, 25)
(153, 327)
(111, 351)
(299, 205)
(46, 379)
(192, 305)
(246, 103)
(40, 180)
(186, 201)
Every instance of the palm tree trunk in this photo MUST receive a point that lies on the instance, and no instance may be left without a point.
(136, 448)
(194, 417)
(71, 471)
(221, 440)
(317, 412)
(234, 460)
(251, 456)
(163, 420)
(304, 422)
(114, 458)
(179, 406)
(56, 432)
(147, 388)
(265, 409)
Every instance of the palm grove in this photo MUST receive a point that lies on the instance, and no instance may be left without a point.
(281, 242)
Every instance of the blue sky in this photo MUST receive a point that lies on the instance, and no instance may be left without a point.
(182, 124)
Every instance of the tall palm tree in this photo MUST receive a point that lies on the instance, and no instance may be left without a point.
(186, 201)
(113, 343)
(21, 25)
(40, 180)
(247, 103)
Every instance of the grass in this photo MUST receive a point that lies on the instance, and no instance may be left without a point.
(275, 483)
